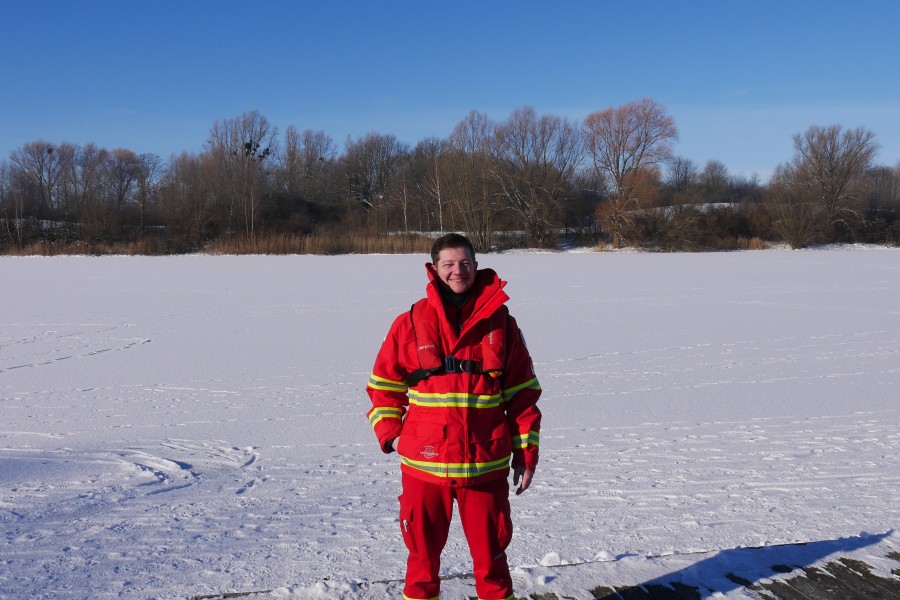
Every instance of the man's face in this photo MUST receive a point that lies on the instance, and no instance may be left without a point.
(456, 268)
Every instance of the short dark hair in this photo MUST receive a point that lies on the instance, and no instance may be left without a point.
(450, 240)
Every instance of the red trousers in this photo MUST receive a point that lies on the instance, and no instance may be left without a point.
(425, 513)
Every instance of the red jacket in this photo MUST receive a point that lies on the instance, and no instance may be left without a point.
(457, 428)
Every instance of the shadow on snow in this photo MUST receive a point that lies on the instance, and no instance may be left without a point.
(753, 569)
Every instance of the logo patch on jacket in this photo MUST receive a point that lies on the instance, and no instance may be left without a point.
(428, 452)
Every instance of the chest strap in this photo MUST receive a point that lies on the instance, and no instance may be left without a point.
(451, 365)
(426, 331)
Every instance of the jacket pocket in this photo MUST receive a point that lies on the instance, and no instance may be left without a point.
(491, 439)
(423, 441)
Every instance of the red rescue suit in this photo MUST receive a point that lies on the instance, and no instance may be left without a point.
(458, 387)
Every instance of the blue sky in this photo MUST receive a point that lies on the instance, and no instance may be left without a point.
(739, 78)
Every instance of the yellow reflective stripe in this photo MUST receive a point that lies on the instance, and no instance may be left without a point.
(405, 597)
(519, 442)
(387, 385)
(384, 412)
(452, 399)
(531, 384)
(459, 470)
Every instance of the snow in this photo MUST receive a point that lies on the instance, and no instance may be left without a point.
(192, 425)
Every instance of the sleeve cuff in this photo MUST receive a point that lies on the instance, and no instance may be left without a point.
(527, 458)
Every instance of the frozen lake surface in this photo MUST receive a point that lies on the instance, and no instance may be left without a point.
(195, 425)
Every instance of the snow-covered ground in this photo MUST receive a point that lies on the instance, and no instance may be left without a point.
(179, 426)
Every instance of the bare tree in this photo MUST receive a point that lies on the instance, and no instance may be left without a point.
(623, 142)
(628, 138)
(291, 163)
(681, 178)
(36, 167)
(714, 180)
(796, 215)
(305, 163)
(149, 172)
(831, 161)
(623, 219)
(471, 189)
(81, 184)
(371, 166)
(121, 170)
(88, 171)
(428, 170)
(10, 208)
(473, 134)
(533, 160)
(239, 147)
(72, 192)
(406, 198)
(187, 199)
(885, 193)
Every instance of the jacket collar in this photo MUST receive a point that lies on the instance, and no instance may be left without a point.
(485, 297)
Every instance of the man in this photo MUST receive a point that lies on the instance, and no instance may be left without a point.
(453, 391)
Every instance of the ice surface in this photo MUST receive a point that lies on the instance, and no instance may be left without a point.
(178, 426)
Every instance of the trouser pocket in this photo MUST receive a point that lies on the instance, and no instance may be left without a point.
(407, 525)
(504, 527)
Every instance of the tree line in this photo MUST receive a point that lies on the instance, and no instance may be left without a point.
(530, 180)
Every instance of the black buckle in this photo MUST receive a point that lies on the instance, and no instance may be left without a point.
(454, 365)
(468, 366)
(450, 364)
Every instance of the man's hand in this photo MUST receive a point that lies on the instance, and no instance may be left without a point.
(395, 442)
(525, 475)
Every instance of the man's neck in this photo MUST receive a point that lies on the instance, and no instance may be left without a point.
(451, 298)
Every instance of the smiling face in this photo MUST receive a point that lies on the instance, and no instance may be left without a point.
(456, 268)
